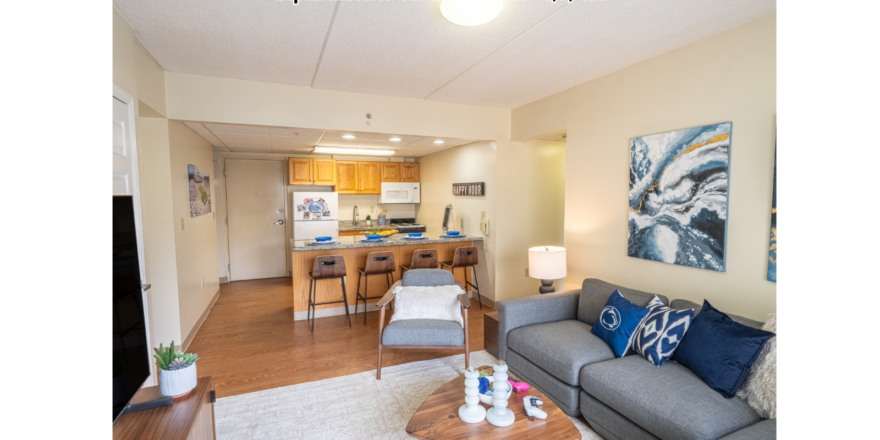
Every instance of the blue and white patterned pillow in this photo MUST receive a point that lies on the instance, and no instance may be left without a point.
(661, 331)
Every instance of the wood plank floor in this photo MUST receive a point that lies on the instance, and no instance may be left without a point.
(249, 342)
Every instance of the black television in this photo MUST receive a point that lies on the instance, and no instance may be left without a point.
(131, 355)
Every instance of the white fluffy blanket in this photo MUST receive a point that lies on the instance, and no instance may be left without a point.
(417, 302)
(759, 390)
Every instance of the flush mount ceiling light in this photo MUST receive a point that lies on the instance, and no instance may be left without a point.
(394, 139)
(438, 141)
(348, 136)
(353, 151)
(471, 12)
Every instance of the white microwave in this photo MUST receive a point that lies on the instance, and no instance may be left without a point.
(400, 192)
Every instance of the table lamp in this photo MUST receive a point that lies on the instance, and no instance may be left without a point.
(547, 263)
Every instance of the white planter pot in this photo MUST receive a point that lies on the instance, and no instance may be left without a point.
(178, 382)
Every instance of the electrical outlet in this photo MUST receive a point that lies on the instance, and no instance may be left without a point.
(372, 209)
(182, 226)
(527, 272)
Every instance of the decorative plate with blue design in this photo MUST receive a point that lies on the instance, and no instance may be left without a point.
(316, 207)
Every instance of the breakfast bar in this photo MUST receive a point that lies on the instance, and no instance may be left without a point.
(355, 252)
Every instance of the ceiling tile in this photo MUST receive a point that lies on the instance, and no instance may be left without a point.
(268, 40)
(237, 129)
(409, 49)
(599, 38)
(196, 126)
(299, 132)
(211, 138)
(250, 149)
(290, 141)
(243, 140)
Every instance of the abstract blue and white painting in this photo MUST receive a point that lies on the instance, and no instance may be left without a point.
(678, 185)
(771, 265)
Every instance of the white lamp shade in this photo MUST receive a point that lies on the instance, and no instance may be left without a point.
(547, 262)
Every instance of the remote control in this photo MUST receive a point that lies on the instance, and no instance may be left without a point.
(530, 403)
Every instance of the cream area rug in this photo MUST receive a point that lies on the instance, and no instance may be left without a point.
(349, 407)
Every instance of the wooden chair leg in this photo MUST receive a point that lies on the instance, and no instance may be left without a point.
(309, 308)
(477, 286)
(366, 295)
(345, 303)
(357, 296)
(379, 356)
(314, 295)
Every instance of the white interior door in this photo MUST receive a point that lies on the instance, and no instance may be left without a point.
(258, 243)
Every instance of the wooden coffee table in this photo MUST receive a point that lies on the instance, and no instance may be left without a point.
(437, 418)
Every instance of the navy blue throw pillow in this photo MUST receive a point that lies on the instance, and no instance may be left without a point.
(719, 350)
(618, 322)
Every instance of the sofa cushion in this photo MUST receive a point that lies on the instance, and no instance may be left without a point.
(562, 394)
(763, 430)
(595, 293)
(669, 401)
(683, 304)
(561, 348)
(423, 332)
(720, 350)
(618, 323)
(609, 423)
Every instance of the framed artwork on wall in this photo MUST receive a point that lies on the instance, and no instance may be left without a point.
(199, 191)
(771, 263)
(678, 194)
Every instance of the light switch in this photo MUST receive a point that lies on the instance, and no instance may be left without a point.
(482, 215)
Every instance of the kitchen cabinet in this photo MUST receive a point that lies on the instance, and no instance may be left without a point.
(324, 172)
(409, 172)
(369, 179)
(300, 171)
(346, 177)
(390, 171)
(305, 171)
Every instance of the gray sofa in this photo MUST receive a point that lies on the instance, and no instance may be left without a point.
(547, 342)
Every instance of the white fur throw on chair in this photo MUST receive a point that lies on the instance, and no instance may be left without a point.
(420, 302)
(759, 390)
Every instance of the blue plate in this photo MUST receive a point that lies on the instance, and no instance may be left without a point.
(453, 236)
(321, 243)
(373, 241)
(415, 238)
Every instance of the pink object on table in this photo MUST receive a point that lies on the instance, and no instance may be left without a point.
(518, 386)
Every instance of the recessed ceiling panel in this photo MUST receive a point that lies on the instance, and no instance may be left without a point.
(243, 140)
(590, 39)
(261, 40)
(407, 48)
(252, 130)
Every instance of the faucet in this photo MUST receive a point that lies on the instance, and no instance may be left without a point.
(354, 216)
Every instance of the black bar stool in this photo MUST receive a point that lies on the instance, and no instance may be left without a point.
(378, 263)
(327, 267)
(466, 257)
(421, 259)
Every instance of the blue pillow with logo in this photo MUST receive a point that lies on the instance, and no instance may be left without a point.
(719, 350)
(661, 332)
(618, 322)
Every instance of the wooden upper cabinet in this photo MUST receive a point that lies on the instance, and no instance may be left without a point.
(300, 171)
(369, 178)
(324, 172)
(409, 172)
(346, 177)
(390, 171)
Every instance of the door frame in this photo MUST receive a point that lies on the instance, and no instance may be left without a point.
(288, 224)
(128, 100)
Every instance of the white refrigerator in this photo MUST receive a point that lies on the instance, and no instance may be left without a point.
(316, 214)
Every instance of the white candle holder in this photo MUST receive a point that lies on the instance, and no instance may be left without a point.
(500, 415)
(471, 411)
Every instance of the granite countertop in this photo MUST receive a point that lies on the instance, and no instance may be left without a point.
(346, 225)
(394, 240)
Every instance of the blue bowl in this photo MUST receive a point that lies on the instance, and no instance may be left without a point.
(373, 236)
(415, 234)
(453, 233)
(319, 239)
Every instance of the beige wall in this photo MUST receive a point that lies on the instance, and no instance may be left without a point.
(139, 75)
(196, 243)
(728, 77)
(474, 162)
(530, 210)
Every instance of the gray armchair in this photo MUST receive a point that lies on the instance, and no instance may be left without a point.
(423, 333)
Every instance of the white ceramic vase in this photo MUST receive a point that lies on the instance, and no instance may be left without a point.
(177, 382)
(471, 411)
(499, 414)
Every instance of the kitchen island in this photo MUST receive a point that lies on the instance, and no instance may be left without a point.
(354, 252)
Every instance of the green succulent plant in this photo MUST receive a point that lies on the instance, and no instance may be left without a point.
(168, 359)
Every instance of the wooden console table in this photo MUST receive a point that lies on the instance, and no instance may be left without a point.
(190, 418)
